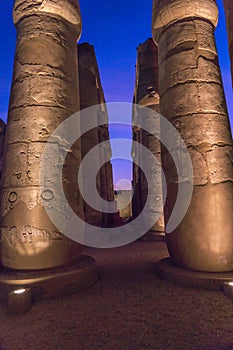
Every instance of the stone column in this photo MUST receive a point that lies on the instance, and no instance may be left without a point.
(136, 200)
(2, 142)
(91, 94)
(106, 174)
(88, 98)
(146, 94)
(192, 99)
(43, 94)
(228, 4)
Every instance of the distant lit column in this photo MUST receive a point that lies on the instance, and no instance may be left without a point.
(192, 99)
(229, 18)
(88, 98)
(91, 94)
(146, 94)
(136, 203)
(106, 173)
(44, 93)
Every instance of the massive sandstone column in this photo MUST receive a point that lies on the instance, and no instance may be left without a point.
(146, 94)
(228, 4)
(91, 94)
(192, 99)
(44, 93)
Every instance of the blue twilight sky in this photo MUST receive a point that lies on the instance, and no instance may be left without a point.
(115, 28)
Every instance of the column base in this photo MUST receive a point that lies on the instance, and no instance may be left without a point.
(193, 279)
(153, 236)
(51, 283)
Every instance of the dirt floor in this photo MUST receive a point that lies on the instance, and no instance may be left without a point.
(129, 308)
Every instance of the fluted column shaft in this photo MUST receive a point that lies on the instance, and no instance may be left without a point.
(192, 99)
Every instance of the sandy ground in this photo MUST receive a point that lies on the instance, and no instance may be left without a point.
(129, 308)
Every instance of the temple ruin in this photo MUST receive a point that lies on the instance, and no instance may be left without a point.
(177, 75)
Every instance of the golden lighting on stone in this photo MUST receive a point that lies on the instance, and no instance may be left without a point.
(192, 99)
(29, 239)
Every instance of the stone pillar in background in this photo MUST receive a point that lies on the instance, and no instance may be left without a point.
(228, 4)
(91, 94)
(89, 97)
(2, 142)
(137, 174)
(146, 94)
(43, 94)
(192, 99)
(106, 173)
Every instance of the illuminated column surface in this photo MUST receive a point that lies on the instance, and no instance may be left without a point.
(91, 94)
(228, 4)
(43, 94)
(88, 98)
(192, 99)
(146, 94)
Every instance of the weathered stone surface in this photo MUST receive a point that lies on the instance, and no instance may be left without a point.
(212, 131)
(228, 4)
(91, 94)
(44, 93)
(192, 98)
(167, 12)
(146, 94)
(52, 283)
(36, 130)
(2, 142)
(68, 10)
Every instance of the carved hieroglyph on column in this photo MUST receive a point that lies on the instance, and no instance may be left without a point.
(91, 94)
(43, 94)
(146, 94)
(228, 4)
(192, 98)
